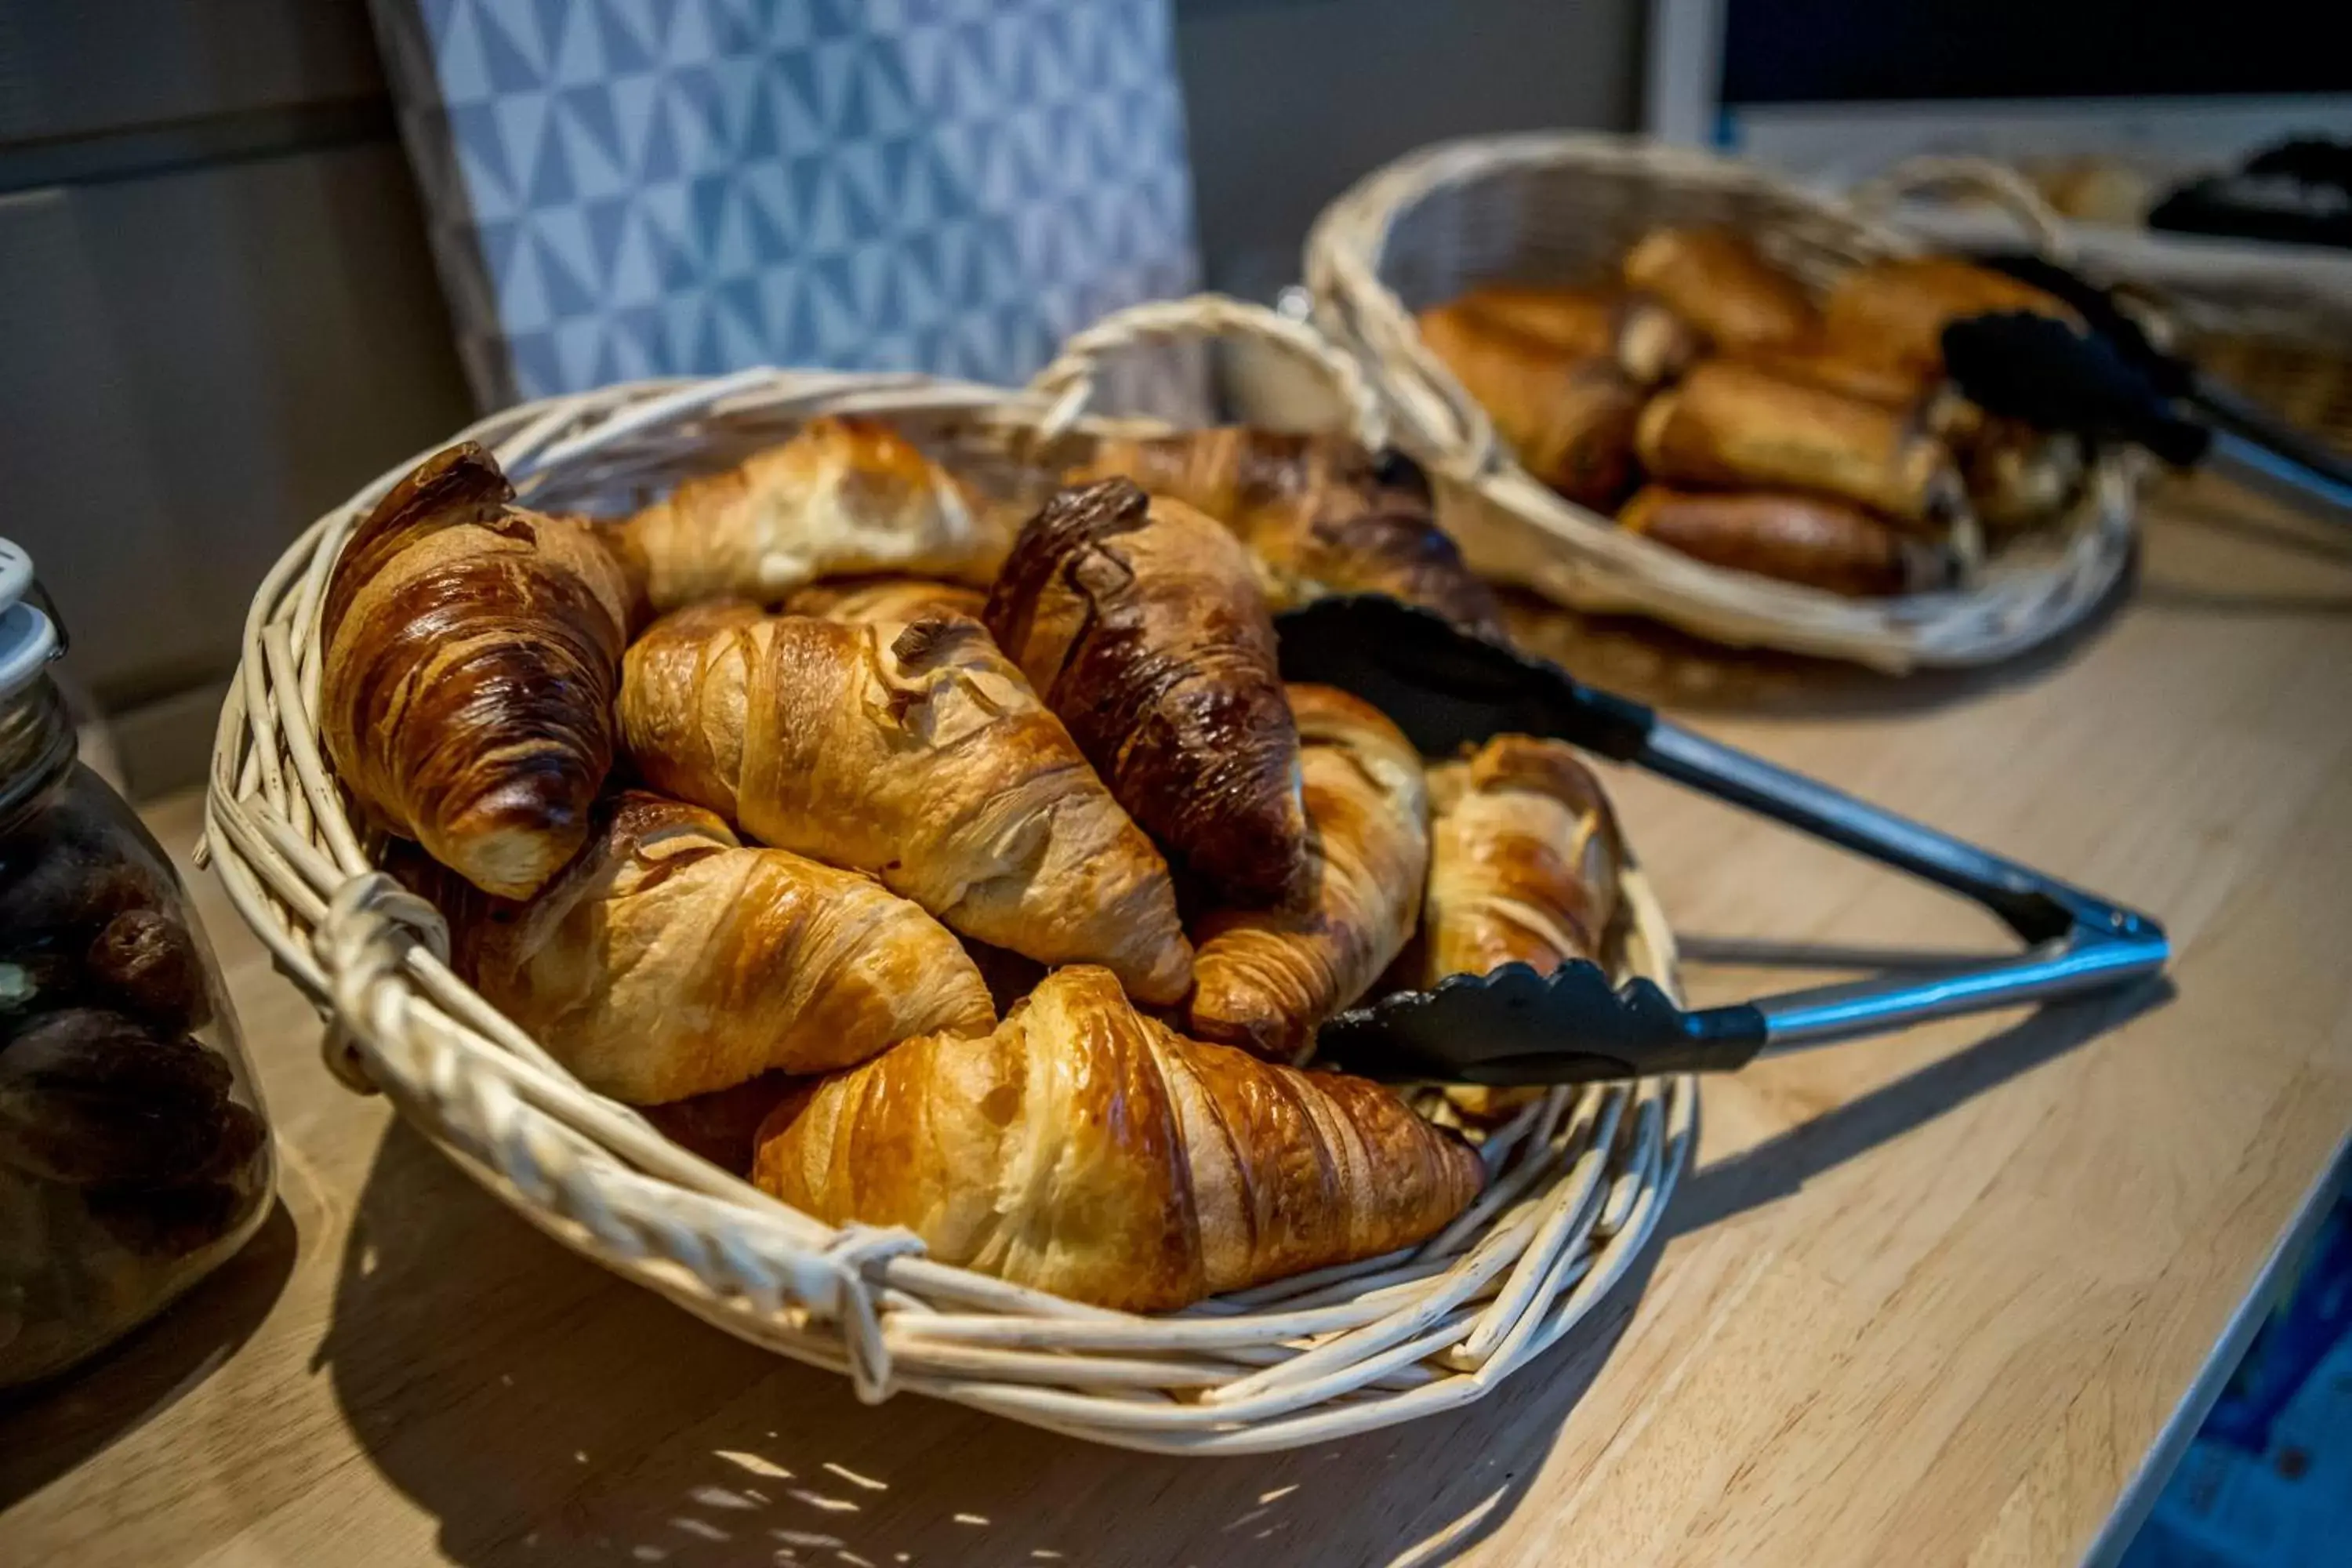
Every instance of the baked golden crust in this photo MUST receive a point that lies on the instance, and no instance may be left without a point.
(1812, 540)
(1718, 282)
(914, 752)
(1320, 515)
(669, 959)
(1732, 426)
(843, 497)
(1264, 979)
(472, 649)
(1524, 861)
(1140, 622)
(1085, 1149)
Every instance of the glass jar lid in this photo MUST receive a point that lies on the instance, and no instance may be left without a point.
(28, 637)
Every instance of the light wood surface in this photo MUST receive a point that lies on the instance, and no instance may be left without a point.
(1936, 1299)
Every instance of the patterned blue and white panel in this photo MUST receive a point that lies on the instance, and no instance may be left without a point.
(624, 188)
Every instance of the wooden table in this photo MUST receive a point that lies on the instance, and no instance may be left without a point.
(1949, 1297)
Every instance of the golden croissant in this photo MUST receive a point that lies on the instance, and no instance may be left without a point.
(472, 650)
(1087, 1150)
(1524, 861)
(885, 599)
(1320, 515)
(915, 751)
(843, 496)
(1141, 623)
(669, 959)
(1264, 979)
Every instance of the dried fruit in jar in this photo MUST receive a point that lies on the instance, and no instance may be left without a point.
(89, 1097)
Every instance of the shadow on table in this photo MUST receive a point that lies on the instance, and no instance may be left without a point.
(546, 1412)
(1780, 1166)
(48, 1429)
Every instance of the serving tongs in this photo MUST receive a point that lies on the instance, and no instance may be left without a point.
(2111, 382)
(1446, 688)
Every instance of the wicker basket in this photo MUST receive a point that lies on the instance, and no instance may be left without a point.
(1578, 1178)
(1564, 207)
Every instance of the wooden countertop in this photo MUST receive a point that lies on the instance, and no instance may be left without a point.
(1936, 1299)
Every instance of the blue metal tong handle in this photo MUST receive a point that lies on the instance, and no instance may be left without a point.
(1446, 688)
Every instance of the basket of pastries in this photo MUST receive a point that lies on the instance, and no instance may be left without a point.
(1653, 381)
(837, 850)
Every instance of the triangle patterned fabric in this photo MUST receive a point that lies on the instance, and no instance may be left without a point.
(627, 188)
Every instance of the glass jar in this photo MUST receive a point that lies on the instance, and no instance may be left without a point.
(133, 1154)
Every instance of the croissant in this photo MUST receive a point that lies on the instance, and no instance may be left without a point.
(1524, 858)
(1319, 513)
(1264, 979)
(1727, 425)
(1714, 279)
(1809, 539)
(915, 753)
(842, 497)
(472, 651)
(885, 599)
(669, 959)
(1570, 419)
(1896, 311)
(1646, 341)
(1139, 621)
(1090, 1151)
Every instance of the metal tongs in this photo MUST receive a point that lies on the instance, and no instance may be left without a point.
(2111, 382)
(1446, 688)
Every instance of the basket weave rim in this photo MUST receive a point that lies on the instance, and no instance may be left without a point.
(1581, 1177)
(2033, 591)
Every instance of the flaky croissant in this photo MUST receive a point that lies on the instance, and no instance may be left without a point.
(1524, 860)
(1570, 418)
(1718, 282)
(1729, 426)
(669, 959)
(472, 651)
(914, 752)
(843, 496)
(1087, 1150)
(1320, 514)
(1140, 622)
(1264, 979)
(885, 599)
(1812, 540)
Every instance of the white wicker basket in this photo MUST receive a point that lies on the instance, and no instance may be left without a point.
(1566, 207)
(1579, 1179)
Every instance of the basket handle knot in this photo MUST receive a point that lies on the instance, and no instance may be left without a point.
(854, 1251)
(370, 926)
